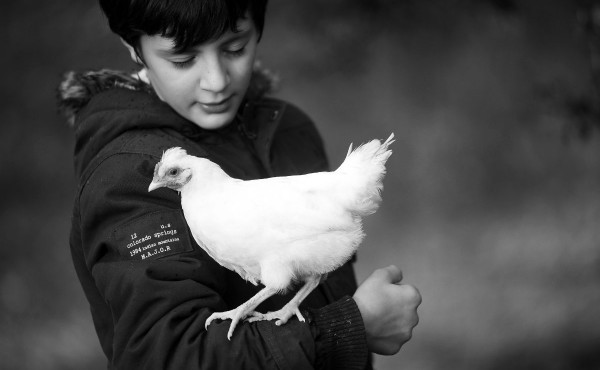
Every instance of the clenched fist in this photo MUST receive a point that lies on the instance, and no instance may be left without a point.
(389, 310)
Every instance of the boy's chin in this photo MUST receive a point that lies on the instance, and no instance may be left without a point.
(212, 121)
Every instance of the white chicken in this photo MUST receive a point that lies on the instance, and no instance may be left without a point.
(278, 230)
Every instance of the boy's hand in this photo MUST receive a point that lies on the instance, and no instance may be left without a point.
(389, 310)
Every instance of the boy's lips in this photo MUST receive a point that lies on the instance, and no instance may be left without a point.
(217, 106)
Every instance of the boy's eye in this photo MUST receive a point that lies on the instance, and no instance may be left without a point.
(235, 50)
(183, 63)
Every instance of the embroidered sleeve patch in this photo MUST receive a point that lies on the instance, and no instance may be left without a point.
(153, 236)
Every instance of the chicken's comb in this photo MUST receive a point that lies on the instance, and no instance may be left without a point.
(173, 154)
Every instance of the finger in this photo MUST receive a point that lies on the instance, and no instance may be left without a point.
(412, 296)
(391, 274)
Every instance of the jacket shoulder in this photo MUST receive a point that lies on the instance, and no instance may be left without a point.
(140, 146)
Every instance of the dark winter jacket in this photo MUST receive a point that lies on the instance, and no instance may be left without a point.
(149, 285)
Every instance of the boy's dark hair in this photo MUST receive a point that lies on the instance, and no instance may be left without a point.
(187, 22)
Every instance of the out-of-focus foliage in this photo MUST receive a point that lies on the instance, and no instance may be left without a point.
(487, 209)
(585, 110)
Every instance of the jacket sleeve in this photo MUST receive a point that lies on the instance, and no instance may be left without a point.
(160, 287)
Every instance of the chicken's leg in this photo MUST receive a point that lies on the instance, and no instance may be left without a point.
(291, 308)
(242, 311)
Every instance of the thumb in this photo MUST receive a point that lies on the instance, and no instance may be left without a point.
(391, 274)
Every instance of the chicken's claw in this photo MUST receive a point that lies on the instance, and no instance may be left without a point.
(283, 315)
(234, 315)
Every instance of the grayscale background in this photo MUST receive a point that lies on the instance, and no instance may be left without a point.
(492, 199)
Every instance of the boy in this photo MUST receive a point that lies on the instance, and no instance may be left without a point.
(150, 287)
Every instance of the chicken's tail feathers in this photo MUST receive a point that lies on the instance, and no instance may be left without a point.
(365, 169)
(373, 148)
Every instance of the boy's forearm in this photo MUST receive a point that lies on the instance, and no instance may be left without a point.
(340, 339)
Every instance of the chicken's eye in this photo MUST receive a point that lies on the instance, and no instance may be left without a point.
(173, 172)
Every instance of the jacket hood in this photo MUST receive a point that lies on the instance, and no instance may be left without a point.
(101, 105)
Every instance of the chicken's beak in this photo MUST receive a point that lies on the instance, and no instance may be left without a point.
(155, 184)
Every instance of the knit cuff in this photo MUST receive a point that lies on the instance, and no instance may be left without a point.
(341, 342)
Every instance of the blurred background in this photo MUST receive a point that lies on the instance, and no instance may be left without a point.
(492, 201)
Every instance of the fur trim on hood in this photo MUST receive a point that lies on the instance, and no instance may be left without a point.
(78, 88)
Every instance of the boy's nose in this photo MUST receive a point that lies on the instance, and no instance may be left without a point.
(214, 77)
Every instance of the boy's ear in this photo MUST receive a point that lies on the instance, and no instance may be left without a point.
(132, 53)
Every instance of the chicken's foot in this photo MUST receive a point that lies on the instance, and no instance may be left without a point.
(291, 308)
(242, 311)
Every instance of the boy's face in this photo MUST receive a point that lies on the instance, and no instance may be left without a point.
(206, 84)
